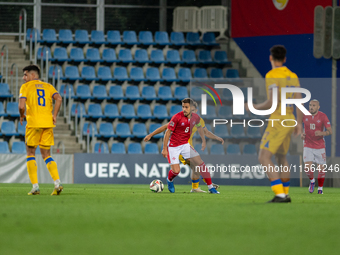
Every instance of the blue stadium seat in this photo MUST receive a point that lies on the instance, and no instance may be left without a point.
(92, 54)
(116, 93)
(118, 148)
(151, 148)
(82, 37)
(4, 149)
(65, 36)
(99, 92)
(152, 74)
(136, 74)
(130, 38)
(141, 56)
(169, 75)
(101, 147)
(193, 39)
(164, 93)
(113, 37)
(216, 73)
(204, 56)
(12, 109)
(172, 56)
(160, 112)
(233, 149)
(226, 95)
(184, 74)
(31, 33)
(237, 131)
(217, 149)
(104, 74)
(157, 57)
(195, 93)
(2, 109)
(109, 56)
(177, 38)
(211, 113)
(80, 109)
(198, 148)
(127, 111)
(162, 38)
(123, 130)
(139, 130)
(189, 57)
(106, 130)
(95, 111)
(149, 93)
(174, 109)
(49, 36)
(22, 128)
(254, 132)
(71, 73)
(145, 38)
(88, 74)
(54, 69)
(8, 129)
(249, 149)
(225, 112)
(60, 55)
(144, 112)
(77, 55)
(134, 148)
(132, 93)
(125, 56)
(19, 148)
(83, 92)
(209, 39)
(222, 131)
(200, 73)
(4, 91)
(181, 93)
(65, 91)
(120, 74)
(90, 128)
(220, 57)
(42, 53)
(111, 111)
(208, 126)
(153, 127)
(98, 38)
(233, 74)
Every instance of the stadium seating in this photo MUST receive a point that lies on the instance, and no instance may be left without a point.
(109, 56)
(249, 149)
(254, 132)
(196, 93)
(222, 131)
(22, 128)
(233, 149)
(90, 128)
(211, 113)
(172, 56)
(134, 148)
(113, 37)
(181, 93)
(226, 95)
(216, 73)
(101, 147)
(111, 111)
(177, 38)
(19, 148)
(93, 56)
(193, 39)
(145, 38)
(220, 57)
(60, 55)
(8, 128)
(130, 38)
(189, 57)
(88, 74)
(123, 130)
(157, 57)
(106, 130)
(31, 32)
(12, 109)
(54, 70)
(104, 74)
(136, 74)
(149, 93)
(152, 74)
(4, 149)
(4, 91)
(65, 91)
(116, 93)
(209, 39)
(184, 75)
(83, 92)
(204, 57)
(99, 92)
(71, 73)
(98, 38)
(164, 93)
(141, 56)
(125, 56)
(160, 112)
(65, 36)
(198, 148)
(95, 111)
(233, 74)
(153, 127)
(174, 109)
(225, 112)
(80, 110)
(118, 148)
(127, 111)
(77, 55)
(217, 149)
(144, 112)
(151, 148)
(237, 131)
(169, 75)
(49, 36)
(200, 73)
(82, 37)
(139, 130)
(132, 93)
(162, 38)
(2, 110)
(120, 74)
(41, 54)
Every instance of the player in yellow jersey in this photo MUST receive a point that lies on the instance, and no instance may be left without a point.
(276, 138)
(195, 176)
(36, 99)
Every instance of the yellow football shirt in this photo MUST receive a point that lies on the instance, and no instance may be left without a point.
(194, 129)
(39, 104)
(281, 77)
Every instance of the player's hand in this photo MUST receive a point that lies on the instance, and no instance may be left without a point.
(165, 153)
(54, 120)
(220, 139)
(203, 146)
(303, 136)
(318, 133)
(298, 129)
(147, 138)
(22, 119)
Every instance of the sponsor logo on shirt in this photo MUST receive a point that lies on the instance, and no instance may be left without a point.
(182, 124)
(172, 124)
(318, 121)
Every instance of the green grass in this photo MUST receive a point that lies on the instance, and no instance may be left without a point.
(130, 219)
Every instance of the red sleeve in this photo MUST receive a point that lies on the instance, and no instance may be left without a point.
(173, 123)
(197, 119)
(326, 121)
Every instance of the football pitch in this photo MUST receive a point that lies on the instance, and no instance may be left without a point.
(130, 219)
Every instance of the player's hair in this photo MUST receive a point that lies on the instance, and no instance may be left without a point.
(189, 101)
(195, 104)
(315, 100)
(278, 52)
(32, 68)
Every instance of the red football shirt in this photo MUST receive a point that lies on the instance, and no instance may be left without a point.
(315, 123)
(181, 128)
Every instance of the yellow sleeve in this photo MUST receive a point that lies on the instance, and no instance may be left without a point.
(53, 91)
(271, 82)
(22, 93)
(202, 123)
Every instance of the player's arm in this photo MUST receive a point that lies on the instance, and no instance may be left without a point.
(58, 99)
(201, 133)
(165, 142)
(209, 134)
(324, 133)
(266, 104)
(22, 109)
(156, 132)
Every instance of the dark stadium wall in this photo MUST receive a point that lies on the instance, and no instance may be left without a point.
(258, 25)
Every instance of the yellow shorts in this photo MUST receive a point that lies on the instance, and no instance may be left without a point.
(182, 159)
(277, 139)
(39, 136)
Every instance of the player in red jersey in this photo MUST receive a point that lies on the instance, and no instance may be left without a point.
(176, 143)
(314, 143)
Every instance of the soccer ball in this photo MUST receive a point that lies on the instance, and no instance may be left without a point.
(156, 186)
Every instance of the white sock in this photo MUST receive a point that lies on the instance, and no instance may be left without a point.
(312, 181)
(56, 183)
(320, 188)
(36, 186)
(169, 180)
(282, 195)
(210, 186)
